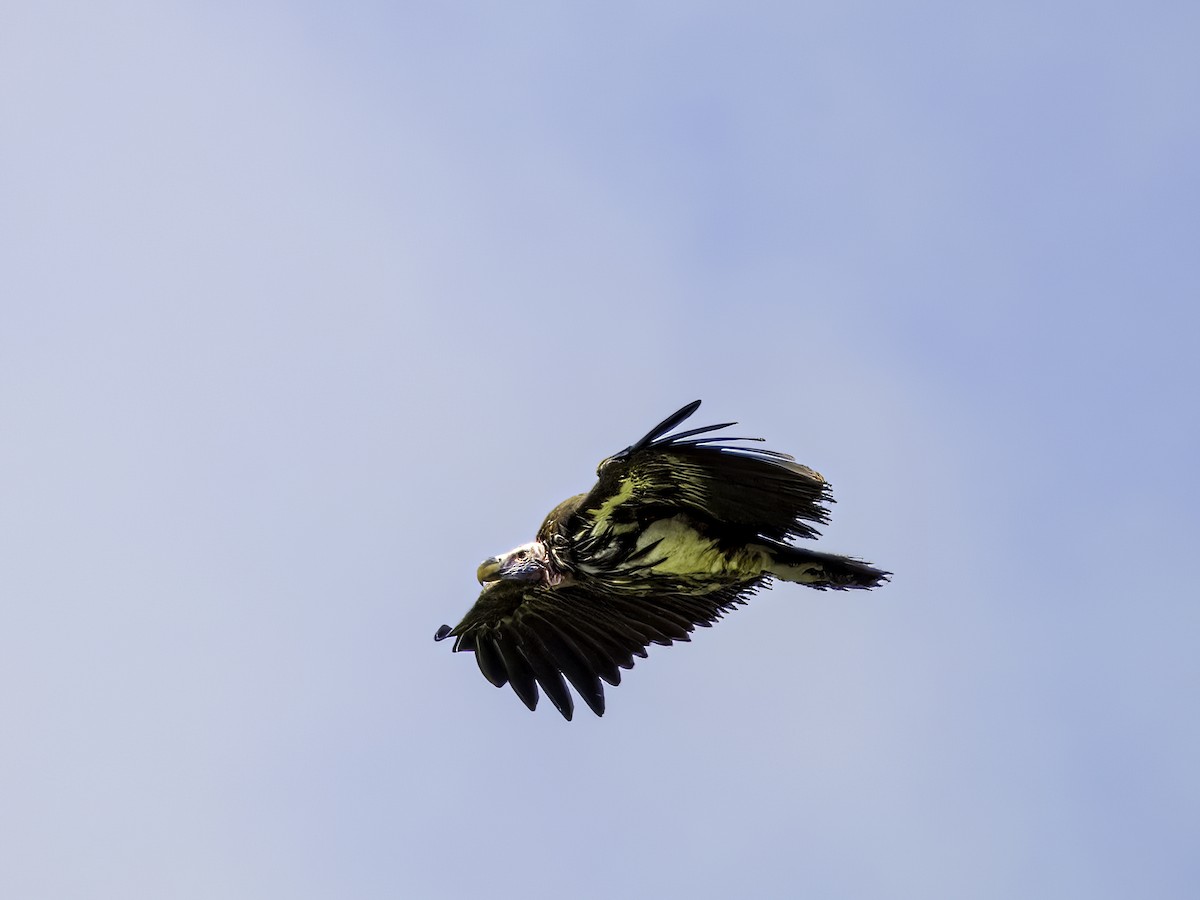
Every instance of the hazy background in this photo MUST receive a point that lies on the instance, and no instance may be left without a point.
(307, 308)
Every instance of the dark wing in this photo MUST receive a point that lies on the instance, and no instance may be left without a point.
(747, 490)
(531, 635)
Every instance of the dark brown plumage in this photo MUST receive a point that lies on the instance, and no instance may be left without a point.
(528, 634)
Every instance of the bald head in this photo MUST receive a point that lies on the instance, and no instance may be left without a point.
(529, 562)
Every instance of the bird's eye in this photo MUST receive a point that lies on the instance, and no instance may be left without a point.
(524, 554)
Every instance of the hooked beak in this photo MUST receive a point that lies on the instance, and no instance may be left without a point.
(525, 563)
(489, 569)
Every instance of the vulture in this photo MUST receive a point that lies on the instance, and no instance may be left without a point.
(678, 529)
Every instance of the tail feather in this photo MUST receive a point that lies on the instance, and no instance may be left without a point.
(823, 570)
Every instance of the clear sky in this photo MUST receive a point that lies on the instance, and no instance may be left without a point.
(308, 308)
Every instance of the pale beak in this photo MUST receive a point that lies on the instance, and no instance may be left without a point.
(489, 569)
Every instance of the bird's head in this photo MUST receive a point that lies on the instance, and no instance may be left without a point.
(529, 562)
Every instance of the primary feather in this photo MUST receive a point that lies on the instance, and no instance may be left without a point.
(531, 635)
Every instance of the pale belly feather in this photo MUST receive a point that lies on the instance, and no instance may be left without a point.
(682, 550)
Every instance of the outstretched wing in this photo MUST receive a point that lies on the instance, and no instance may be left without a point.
(748, 491)
(528, 635)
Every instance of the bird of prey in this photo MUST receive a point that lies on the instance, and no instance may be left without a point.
(678, 530)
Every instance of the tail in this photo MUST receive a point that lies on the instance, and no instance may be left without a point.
(822, 570)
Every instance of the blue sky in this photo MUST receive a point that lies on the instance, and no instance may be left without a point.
(308, 309)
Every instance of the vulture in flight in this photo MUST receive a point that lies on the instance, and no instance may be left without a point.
(678, 530)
